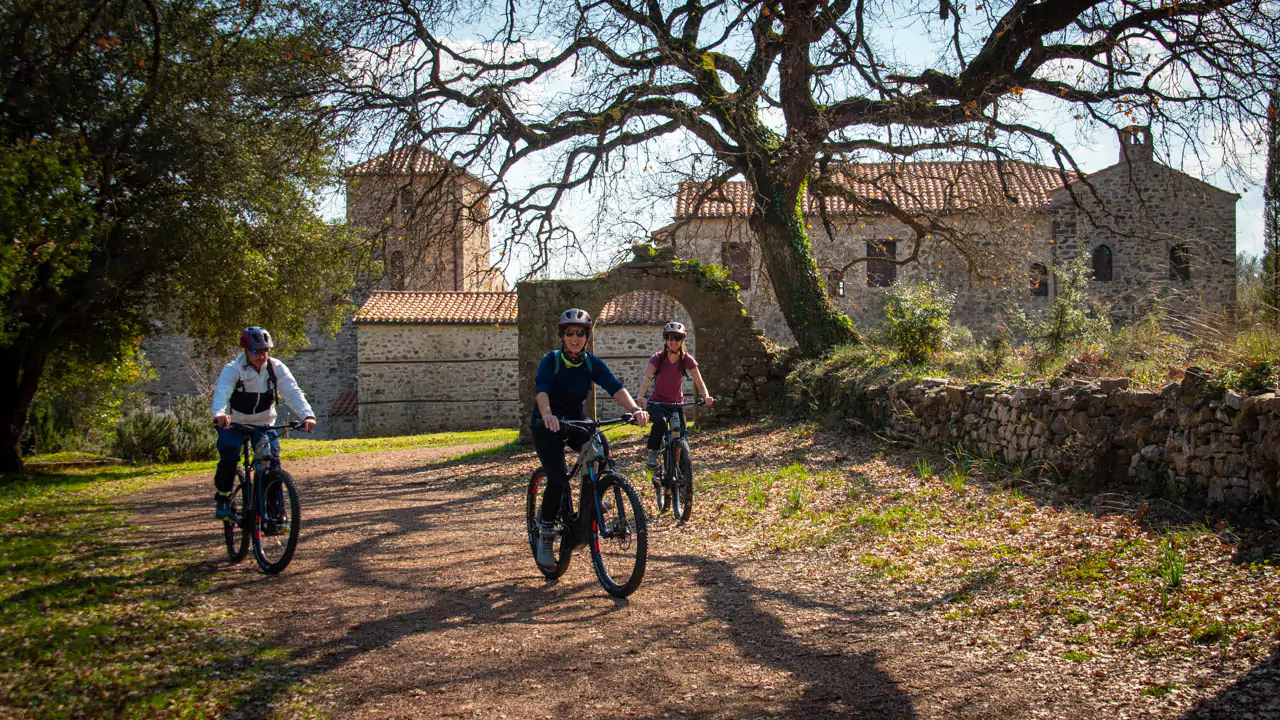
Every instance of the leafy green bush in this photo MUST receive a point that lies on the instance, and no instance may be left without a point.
(181, 434)
(1074, 317)
(917, 320)
(80, 400)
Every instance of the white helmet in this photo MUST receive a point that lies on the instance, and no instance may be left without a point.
(674, 327)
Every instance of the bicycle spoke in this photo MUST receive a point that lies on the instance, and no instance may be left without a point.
(619, 544)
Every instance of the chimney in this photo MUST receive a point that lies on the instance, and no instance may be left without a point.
(1135, 143)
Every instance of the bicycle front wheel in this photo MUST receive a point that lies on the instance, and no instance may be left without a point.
(682, 484)
(275, 526)
(562, 550)
(619, 537)
(235, 530)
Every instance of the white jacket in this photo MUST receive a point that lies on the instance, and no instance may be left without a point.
(258, 381)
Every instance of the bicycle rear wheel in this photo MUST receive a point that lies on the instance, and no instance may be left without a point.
(682, 484)
(533, 520)
(275, 529)
(235, 530)
(619, 536)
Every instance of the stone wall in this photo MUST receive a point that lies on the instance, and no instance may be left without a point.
(740, 371)
(324, 369)
(1139, 208)
(981, 304)
(418, 378)
(1192, 442)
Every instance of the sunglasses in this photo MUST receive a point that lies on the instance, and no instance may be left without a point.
(673, 337)
(575, 332)
(258, 352)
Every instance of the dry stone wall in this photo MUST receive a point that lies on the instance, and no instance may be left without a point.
(1192, 442)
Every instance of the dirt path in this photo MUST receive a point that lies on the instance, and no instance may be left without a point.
(413, 594)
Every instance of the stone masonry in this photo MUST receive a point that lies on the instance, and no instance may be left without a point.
(1192, 442)
(740, 371)
(1146, 214)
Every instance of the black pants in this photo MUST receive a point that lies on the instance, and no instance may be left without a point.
(550, 448)
(658, 419)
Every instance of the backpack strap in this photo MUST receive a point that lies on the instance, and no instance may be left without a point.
(560, 362)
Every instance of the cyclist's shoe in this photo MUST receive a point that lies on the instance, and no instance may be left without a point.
(546, 545)
(271, 528)
(652, 462)
(222, 506)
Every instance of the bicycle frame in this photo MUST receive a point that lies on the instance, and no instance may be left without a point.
(593, 461)
(677, 429)
(255, 450)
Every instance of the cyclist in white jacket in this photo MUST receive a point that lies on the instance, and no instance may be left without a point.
(247, 390)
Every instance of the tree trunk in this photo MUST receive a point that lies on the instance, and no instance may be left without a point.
(19, 377)
(1271, 216)
(784, 241)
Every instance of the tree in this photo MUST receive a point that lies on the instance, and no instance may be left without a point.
(159, 161)
(786, 93)
(1270, 292)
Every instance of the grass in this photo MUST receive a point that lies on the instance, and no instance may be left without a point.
(1023, 554)
(95, 624)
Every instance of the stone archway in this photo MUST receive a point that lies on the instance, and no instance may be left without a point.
(740, 371)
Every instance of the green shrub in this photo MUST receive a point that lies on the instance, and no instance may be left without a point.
(917, 320)
(151, 434)
(1074, 317)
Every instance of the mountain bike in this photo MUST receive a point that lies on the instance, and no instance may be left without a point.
(608, 516)
(264, 503)
(673, 483)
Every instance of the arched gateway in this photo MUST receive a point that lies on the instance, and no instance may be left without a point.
(740, 370)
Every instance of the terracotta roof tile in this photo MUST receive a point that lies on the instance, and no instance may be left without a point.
(347, 404)
(915, 187)
(418, 307)
(421, 307)
(411, 160)
(638, 308)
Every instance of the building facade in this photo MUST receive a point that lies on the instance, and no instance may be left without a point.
(1157, 239)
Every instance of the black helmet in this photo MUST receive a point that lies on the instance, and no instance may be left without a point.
(575, 316)
(255, 338)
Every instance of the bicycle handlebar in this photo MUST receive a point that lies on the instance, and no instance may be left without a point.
(699, 401)
(295, 425)
(626, 418)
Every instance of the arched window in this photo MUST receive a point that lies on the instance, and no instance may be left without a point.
(835, 284)
(1180, 263)
(1102, 263)
(1039, 280)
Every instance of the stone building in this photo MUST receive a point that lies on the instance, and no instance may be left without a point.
(433, 361)
(425, 223)
(1155, 236)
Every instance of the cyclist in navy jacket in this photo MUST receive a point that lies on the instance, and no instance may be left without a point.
(563, 383)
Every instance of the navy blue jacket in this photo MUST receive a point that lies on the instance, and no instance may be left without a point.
(568, 389)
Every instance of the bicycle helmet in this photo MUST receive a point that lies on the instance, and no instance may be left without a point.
(575, 316)
(255, 338)
(675, 328)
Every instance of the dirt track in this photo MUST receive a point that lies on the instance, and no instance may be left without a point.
(413, 594)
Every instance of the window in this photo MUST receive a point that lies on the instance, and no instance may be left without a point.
(1039, 280)
(835, 284)
(1180, 263)
(1102, 263)
(395, 269)
(737, 258)
(880, 273)
(407, 202)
